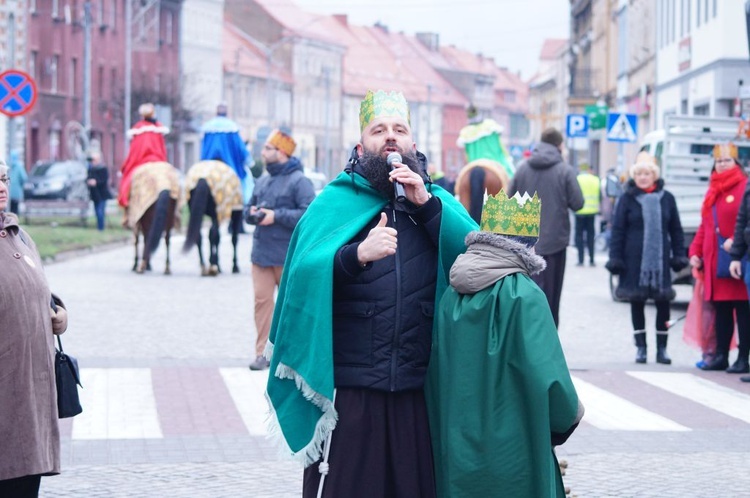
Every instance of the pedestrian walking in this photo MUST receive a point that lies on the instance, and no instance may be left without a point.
(279, 200)
(586, 216)
(554, 180)
(647, 240)
(29, 432)
(18, 177)
(98, 182)
(494, 323)
(352, 330)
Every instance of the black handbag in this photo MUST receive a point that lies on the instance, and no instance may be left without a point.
(68, 379)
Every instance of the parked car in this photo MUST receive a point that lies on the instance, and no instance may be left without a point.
(64, 180)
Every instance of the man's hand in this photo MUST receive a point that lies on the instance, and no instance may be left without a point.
(696, 262)
(268, 219)
(728, 244)
(413, 184)
(380, 242)
(59, 320)
(91, 182)
(735, 269)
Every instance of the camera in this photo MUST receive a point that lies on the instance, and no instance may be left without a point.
(254, 218)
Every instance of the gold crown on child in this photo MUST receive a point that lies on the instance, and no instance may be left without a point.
(517, 215)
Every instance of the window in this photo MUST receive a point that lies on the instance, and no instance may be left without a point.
(72, 76)
(698, 13)
(33, 64)
(53, 65)
(55, 9)
(682, 18)
(169, 28)
(705, 11)
(689, 16)
(716, 8)
(113, 14)
(100, 13)
(701, 110)
(100, 80)
(113, 83)
(32, 6)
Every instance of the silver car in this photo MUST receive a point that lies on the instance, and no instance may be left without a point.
(64, 180)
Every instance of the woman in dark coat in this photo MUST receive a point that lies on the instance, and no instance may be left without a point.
(647, 240)
(728, 295)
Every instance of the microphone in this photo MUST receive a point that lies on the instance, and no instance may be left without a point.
(395, 157)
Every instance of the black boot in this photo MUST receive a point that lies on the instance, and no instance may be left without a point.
(661, 349)
(640, 344)
(741, 366)
(718, 362)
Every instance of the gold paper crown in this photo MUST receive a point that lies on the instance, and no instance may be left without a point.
(282, 141)
(517, 215)
(380, 104)
(727, 149)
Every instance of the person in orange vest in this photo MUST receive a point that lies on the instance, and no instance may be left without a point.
(584, 217)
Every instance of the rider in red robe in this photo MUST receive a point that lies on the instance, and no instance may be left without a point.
(147, 145)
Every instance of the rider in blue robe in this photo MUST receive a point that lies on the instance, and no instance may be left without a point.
(222, 141)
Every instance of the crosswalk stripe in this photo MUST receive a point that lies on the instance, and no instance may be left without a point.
(118, 403)
(607, 411)
(712, 395)
(246, 389)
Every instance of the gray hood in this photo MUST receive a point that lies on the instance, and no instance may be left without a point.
(489, 258)
(544, 156)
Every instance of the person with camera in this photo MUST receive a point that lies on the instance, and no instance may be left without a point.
(279, 200)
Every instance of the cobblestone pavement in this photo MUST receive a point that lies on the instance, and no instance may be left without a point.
(171, 410)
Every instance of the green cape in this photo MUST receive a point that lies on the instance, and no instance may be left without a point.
(300, 390)
(498, 386)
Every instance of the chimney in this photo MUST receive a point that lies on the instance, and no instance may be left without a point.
(342, 18)
(382, 27)
(430, 40)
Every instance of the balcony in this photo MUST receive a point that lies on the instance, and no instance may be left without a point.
(582, 83)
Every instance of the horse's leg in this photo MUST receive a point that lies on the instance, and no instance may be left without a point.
(168, 232)
(135, 263)
(236, 221)
(213, 245)
(204, 269)
(167, 270)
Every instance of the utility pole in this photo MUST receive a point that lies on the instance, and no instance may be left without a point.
(87, 67)
(12, 64)
(128, 66)
(327, 151)
(429, 120)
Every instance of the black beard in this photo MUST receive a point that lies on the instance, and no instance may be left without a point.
(375, 168)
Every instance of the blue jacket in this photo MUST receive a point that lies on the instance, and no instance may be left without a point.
(287, 191)
(18, 177)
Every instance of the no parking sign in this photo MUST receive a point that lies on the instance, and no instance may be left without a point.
(17, 92)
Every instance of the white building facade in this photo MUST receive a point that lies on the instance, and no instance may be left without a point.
(701, 57)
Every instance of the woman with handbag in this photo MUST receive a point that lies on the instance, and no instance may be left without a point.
(647, 240)
(709, 252)
(29, 434)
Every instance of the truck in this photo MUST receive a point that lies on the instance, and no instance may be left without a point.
(684, 152)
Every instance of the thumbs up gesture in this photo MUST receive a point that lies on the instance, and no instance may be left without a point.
(379, 243)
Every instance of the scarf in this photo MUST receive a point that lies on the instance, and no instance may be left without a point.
(652, 257)
(718, 185)
(300, 387)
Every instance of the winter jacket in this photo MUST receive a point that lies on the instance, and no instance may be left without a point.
(383, 312)
(29, 432)
(546, 173)
(99, 192)
(18, 177)
(741, 244)
(287, 191)
(626, 245)
(705, 246)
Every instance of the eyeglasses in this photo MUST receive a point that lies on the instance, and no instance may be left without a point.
(269, 148)
(725, 160)
(5, 180)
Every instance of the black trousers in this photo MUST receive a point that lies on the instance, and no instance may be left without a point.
(638, 315)
(585, 225)
(14, 206)
(21, 487)
(551, 281)
(381, 448)
(725, 313)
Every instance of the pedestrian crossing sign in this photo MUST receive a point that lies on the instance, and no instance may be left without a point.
(622, 127)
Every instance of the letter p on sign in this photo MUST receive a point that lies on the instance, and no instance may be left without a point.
(577, 125)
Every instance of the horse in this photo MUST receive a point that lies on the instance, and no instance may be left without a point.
(153, 206)
(213, 189)
(477, 179)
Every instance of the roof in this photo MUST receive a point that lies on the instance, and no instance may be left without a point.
(298, 21)
(241, 55)
(464, 60)
(552, 47)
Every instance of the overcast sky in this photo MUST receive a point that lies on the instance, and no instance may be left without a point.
(511, 31)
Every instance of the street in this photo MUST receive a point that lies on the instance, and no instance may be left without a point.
(171, 409)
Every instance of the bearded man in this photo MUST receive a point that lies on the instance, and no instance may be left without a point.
(352, 329)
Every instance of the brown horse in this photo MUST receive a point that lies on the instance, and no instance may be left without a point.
(213, 189)
(154, 203)
(477, 178)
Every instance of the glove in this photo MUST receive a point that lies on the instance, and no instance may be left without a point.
(59, 320)
(678, 263)
(615, 266)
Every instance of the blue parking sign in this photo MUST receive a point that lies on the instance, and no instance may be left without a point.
(577, 125)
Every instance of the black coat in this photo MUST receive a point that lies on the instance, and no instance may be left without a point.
(626, 245)
(383, 313)
(100, 192)
(741, 243)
